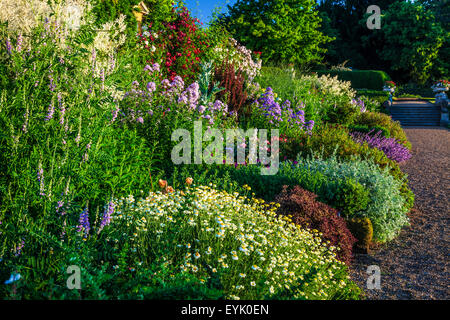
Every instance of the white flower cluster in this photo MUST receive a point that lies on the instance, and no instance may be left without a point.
(111, 36)
(23, 15)
(255, 253)
(241, 57)
(331, 86)
(108, 39)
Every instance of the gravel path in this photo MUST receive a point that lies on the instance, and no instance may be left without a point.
(416, 264)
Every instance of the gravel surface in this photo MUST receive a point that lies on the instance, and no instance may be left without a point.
(416, 264)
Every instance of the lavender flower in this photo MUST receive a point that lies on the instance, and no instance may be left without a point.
(51, 111)
(62, 109)
(18, 249)
(19, 43)
(201, 109)
(40, 178)
(59, 205)
(8, 46)
(282, 114)
(25, 124)
(112, 62)
(86, 154)
(107, 214)
(115, 112)
(84, 225)
(390, 146)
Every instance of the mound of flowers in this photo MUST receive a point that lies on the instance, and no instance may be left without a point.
(390, 146)
(240, 242)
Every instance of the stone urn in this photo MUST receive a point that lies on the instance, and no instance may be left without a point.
(441, 100)
(387, 104)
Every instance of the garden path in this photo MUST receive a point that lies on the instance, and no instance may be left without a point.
(416, 264)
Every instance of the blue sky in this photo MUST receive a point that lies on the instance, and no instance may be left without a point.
(203, 9)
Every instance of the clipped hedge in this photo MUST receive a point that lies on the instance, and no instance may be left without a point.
(372, 93)
(367, 79)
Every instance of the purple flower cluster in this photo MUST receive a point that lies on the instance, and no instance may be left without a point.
(190, 96)
(83, 223)
(18, 249)
(276, 113)
(19, 43)
(50, 112)
(359, 103)
(115, 112)
(153, 68)
(8, 46)
(40, 178)
(171, 89)
(390, 146)
(107, 214)
(212, 111)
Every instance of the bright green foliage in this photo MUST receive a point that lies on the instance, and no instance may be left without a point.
(109, 10)
(352, 197)
(283, 30)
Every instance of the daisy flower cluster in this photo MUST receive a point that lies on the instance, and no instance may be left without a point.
(210, 233)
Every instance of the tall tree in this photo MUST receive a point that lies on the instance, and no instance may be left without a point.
(283, 30)
(346, 16)
(410, 40)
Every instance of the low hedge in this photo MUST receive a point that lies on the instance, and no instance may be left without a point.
(361, 79)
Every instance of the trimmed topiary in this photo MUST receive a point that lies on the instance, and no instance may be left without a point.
(362, 229)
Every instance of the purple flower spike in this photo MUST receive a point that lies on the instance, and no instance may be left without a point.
(390, 146)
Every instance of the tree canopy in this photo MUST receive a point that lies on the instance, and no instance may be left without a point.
(283, 30)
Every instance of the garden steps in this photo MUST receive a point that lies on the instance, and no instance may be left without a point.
(415, 113)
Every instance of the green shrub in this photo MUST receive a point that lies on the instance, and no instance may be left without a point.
(331, 140)
(343, 113)
(351, 198)
(331, 179)
(361, 79)
(386, 208)
(376, 119)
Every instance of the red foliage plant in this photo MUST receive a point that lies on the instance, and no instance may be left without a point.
(234, 83)
(179, 46)
(306, 211)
